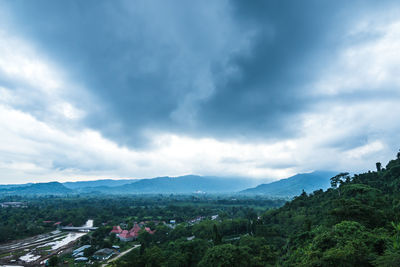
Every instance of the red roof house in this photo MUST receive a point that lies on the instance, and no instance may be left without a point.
(149, 230)
(130, 235)
(136, 228)
(116, 230)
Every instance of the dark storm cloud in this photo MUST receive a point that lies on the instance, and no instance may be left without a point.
(225, 69)
(294, 41)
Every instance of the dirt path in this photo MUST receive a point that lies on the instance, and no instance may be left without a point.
(120, 255)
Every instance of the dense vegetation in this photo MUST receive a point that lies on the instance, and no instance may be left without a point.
(18, 223)
(354, 223)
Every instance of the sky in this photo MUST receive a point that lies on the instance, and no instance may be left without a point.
(133, 89)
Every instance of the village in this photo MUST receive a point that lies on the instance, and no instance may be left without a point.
(83, 245)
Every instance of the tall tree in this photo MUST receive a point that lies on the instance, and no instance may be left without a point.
(378, 166)
(217, 238)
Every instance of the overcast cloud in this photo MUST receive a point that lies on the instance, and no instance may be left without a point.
(263, 89)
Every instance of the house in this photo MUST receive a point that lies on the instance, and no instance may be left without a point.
(81, 259)
(214, 217)
(126, 236)
(77, 252)
(116, 230)
(136, 228)
(147, 229)
(130, 235)
(13, 205)
(197, 219)
(103, 254)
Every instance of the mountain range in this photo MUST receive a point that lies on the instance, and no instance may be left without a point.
(52, 188)
(294, 185)
(166, 185)
(188, 184)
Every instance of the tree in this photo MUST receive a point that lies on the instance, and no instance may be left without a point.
(339, 179)
(113, 238)
(378, 166)
(389, 259)
(154, 257)
(217, 238)
(396, 238)
(345, 244)
(226, 255)
(53, 261)
(176, 259)
(267, 255)
(144, 239)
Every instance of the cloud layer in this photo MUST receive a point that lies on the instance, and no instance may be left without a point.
(234, 88)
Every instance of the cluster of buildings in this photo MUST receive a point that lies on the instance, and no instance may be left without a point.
(102, 254)
(78, 253)
(196, 220)
(132, 234)
(201, 218)
(13, 205)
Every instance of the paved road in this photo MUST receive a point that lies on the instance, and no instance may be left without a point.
(120, 255)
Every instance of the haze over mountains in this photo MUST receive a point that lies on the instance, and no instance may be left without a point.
(178, 185)
(188, 184)
(294, 185)
(51, 188)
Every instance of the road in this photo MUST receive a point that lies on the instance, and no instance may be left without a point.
(120, 255)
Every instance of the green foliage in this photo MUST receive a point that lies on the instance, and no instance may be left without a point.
(346, 225)
(396, 237)
(217, 238)
(226, 256)
(389, 259)
(340, 179)
(378, 166)
(16, 223)
(345, 244)
(53, 261)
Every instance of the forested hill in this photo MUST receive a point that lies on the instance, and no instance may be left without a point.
(98, 183)
(183, 185)
(354, 223)
(294, 185)
(188, 184)
(52, 188)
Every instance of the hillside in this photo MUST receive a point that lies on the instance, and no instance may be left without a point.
(98, 183)
(180, 185)
(294, 185)
(354, 223)
(52, 188)
(161, 185)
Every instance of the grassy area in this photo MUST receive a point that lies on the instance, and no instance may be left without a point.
(5, 255)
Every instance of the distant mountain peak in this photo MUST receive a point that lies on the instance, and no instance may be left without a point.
(294, 185)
